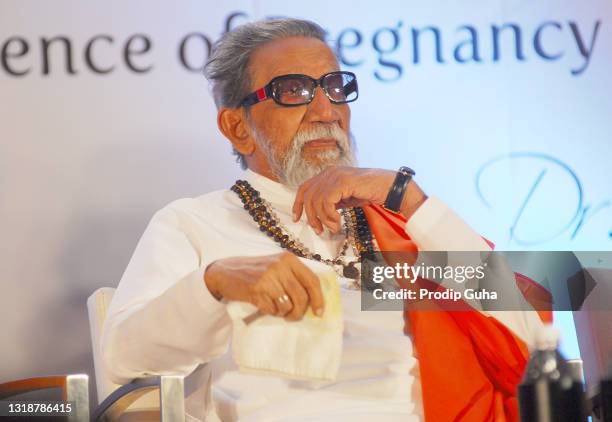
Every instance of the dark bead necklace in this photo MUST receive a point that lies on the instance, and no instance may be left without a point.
(355, 225)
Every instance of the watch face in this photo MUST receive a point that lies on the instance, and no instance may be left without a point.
(407, 171)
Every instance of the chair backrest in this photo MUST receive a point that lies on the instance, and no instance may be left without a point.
(594, 327)
(97, 306)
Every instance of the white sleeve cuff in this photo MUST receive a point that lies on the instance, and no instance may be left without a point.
(436, 227)
(197, 287)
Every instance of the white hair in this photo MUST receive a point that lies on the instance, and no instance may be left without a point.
(227, 68)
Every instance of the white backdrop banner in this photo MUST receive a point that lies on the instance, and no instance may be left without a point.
(502, 108)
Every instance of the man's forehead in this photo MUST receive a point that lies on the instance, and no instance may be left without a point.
(308, 56)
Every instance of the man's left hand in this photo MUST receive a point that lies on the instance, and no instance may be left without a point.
(341, 187)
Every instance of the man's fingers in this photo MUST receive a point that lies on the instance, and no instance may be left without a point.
(317, 198)
(317, 206)
(298, 204)
(330, 201)
(266, 305)
(278, 293)
(311, 283)
(311, 213)
(328, 212)
(299, 298)
(287, 289)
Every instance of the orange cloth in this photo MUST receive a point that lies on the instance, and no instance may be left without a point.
(470, 364)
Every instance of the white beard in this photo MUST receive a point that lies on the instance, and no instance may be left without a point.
(293, 170)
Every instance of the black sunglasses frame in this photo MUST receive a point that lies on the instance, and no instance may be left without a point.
(267, 92)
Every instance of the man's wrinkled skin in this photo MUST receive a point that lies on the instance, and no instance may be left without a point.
(263, 280)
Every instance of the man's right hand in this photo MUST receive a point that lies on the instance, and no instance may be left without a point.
(277, 284)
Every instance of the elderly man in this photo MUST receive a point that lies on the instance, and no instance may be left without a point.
(283, 104)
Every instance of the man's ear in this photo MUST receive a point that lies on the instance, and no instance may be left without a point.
(233, 124)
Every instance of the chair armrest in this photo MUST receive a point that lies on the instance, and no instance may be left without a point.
(171, 398)
(75, 389)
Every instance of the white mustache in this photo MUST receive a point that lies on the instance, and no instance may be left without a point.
(332, 131)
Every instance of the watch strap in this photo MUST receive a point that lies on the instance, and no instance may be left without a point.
(398, 189)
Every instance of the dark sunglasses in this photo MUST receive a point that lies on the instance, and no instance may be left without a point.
(294, 90)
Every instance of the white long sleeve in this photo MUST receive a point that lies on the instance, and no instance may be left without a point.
(162, 319)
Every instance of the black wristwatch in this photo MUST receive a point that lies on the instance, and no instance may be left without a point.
(398, 189)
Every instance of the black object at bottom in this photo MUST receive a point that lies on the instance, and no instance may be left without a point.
(549, 402)
(605, 396)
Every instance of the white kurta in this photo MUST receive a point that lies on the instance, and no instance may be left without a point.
(163, 319)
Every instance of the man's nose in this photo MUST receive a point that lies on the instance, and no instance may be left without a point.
(321, 108)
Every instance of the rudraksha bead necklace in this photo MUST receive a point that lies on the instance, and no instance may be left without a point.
(355, 226)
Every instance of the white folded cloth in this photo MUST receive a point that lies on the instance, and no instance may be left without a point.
(309, 349)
